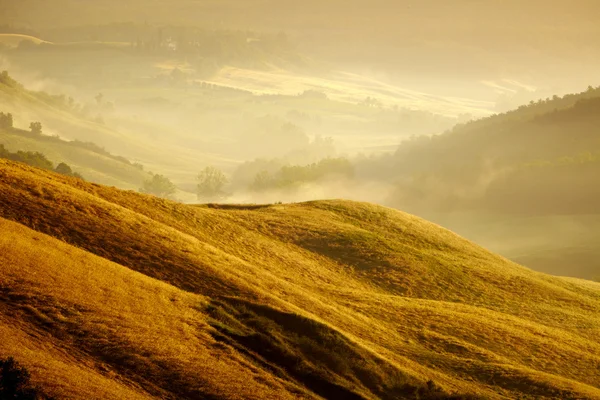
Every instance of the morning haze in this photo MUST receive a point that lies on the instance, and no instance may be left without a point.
(231, 199)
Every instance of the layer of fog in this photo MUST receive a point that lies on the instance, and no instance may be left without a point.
(178, 116)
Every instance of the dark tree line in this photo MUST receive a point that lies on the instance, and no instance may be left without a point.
(38, 160)
(538, 158)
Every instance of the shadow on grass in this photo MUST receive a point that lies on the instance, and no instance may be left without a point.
(313, 355)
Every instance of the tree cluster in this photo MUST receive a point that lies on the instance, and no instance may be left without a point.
(538, 157)
(38, 160)
(292, 176)
(6, 121)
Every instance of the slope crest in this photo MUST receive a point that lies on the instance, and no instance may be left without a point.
(427, 303)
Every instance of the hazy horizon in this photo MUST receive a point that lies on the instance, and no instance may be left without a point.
(302, 101)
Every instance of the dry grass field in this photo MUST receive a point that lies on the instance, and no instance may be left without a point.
(114, 294)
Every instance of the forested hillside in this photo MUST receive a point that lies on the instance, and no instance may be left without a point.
(541, 158)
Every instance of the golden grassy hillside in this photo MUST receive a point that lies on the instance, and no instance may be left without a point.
(122, 295)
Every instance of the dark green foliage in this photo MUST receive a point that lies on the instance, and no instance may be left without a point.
(36, 159)
(290, 176)
(15, 382)
(160, 186)
(6, 121)
(5, 79)
(538, 158)
(64, 169)
(36, 128)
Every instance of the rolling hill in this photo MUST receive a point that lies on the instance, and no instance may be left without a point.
(523, 183)
(428, 40)
(95, 165)
(113, 294)
(58, 118)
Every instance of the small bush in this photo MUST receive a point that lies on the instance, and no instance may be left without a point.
(36, 128)
(15, 382)
(6, 121)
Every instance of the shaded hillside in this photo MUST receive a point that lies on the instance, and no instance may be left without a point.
(332, 298)
(545, 154)
(522, 183)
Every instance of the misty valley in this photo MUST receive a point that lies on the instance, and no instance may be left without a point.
(268, 200)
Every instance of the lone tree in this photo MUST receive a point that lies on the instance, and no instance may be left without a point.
(64, 169)
(6, 121)
(160, 186)
(210, 184)
(36, 128)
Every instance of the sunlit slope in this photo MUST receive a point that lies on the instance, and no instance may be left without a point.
(335, 298)
(89, 328)
(348, 87)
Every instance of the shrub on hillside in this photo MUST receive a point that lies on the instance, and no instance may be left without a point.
(39, 160)
(65, 169)
(5, 79)
(35, 159)
(15, 382)
(6, 120)
(36, 128)
(160, 186)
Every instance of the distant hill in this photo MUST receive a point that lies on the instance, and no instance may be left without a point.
(430, 38)
(93, 162)
(59, 116)
(71, 134)
(523, 183)
(543, 156)
(113, 294)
